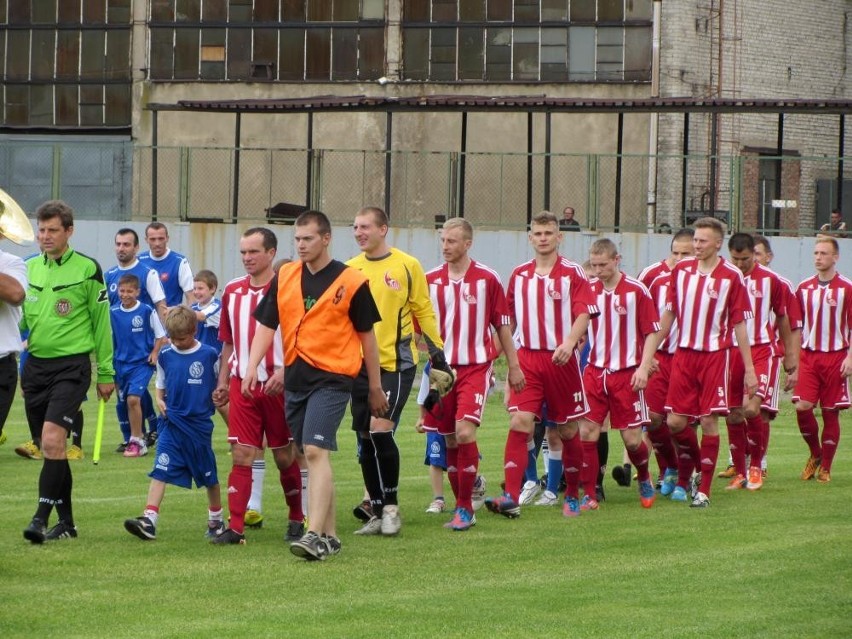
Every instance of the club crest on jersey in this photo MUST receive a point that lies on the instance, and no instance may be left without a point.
(618, 307)
(196, 370)
(339, 294)
(164, 277)
(391, 283)
(712, 293)
(63, 307)
(755, 292)
(829, 298)
(553, 294)
(137, 321)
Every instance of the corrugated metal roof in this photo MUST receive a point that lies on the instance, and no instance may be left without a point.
(523, 103)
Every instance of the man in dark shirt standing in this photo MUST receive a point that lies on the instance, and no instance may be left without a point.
(568, 223)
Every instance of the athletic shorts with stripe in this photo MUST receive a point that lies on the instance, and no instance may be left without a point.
(465, 402)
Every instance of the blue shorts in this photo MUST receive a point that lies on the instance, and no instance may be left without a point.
(181, 458)
(133, 380)
(436, 450)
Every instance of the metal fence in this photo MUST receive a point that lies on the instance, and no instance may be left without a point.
(789, 195)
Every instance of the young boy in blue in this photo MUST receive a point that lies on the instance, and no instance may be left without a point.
(187, 374)
(208, 309)
(137, 336)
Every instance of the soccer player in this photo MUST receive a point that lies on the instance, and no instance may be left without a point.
(471, 307)
(826, 358)
(13, 285)
(657, 279)
(67, 315)
(258, 415)
(326, 313)
(621, 340)
(769, 295)
(551, 302)
(398, 286)
(172, 267)
(709, 300)
(207, 308)
(187, 372)
(137, 337)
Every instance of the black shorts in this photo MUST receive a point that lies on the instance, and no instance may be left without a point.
(55, 388)
(397, 386)
(8, 385)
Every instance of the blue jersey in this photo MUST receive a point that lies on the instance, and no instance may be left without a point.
(150, 289)
(189, 378)
(133, 333)
(175, 274)
(208, 330)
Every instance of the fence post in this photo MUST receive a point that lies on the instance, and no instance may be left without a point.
(56, 179)
(183, 183)
(453, 195)
(592, 189)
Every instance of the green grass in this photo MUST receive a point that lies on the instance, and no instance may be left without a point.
(774, 564)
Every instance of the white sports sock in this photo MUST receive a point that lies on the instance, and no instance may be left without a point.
(304, 473)
(258, 472)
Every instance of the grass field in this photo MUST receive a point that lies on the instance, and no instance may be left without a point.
(776, 564)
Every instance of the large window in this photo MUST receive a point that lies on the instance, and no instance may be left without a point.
(527, 40)
(65, 63)
(288, 40)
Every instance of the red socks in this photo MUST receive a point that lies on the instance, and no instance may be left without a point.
(453, 470)
(468, 468)
(661, 438)
(639, 458)
(291, 482)
(589, 472)
(572, 464)
(688, 455)
(239, 492)
(756, 433)
(514, 463)
(709, 455)
(809, 428)
(737, 445)
(830, 437)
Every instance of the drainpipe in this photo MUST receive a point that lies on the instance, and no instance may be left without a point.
(652, 134)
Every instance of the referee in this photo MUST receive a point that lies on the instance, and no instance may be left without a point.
(67, 314)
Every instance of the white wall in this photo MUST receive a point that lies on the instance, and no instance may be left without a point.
(215, 247)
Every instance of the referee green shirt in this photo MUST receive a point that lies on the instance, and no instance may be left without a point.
(66, 310)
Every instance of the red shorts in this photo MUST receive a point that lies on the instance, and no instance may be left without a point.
(699, 383)
(561, 387)
(820, 381)
(464, 403)
(658, 384)
(250, 419)
(764, 359)
(610, 393)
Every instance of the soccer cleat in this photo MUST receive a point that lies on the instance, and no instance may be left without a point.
(214, 528)
(449, 524)
(36, 531)
(588, 503)
(547, 499)
(621, 475)
(755, 478)
(391, 521)
(694, 485)
(823, 476)
(669, 482)
(29, 450)
(463, 520)
(679, 494)
(75, 453)
(62, 530)
(700, 501)
(571, 507)
(504, 505)
(363, 511)
(332, 544)
(310, 547)
(136, 448)
(142, 527)
(809, 472)
(295, 531)
(121, 447)
(478, 496)
(151, 438)
(529, 492)
(737, 483)
(372, 527)
(437, 506)
(729, 473)
(600, 495)
(647, 494)
(254, 519)
(229, 536)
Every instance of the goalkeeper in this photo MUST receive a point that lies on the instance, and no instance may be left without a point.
(398, 285)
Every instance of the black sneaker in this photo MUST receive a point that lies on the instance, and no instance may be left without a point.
(121, 447)
(295, 530)
(600, 495)
(142, 527)
(151, 439)
(214, 529)
(363, 511)
(229, 537)
(332, 544)
(621, 475)
(309, 547)
(62, 530)
(36, 532)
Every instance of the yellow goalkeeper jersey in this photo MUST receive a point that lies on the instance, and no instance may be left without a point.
(398, 285)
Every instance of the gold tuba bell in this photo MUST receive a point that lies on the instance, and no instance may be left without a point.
(13, 221)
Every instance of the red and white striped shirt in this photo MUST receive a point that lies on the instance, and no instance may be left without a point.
(768, 296)
(627, 316)
(659, 290)
(827, 313)
(545, 306)
(707, 307)
(237, 326)
(466, 310)
(650, 273)
(794, 314)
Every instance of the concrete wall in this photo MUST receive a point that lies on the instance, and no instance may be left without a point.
(215, 247)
